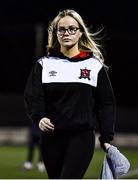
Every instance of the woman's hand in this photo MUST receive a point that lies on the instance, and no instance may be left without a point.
(107, 145)
(46, 125)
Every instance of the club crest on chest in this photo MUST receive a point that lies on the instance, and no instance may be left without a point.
(85, 73)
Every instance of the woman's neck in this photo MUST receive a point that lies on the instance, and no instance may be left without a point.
(70, 52)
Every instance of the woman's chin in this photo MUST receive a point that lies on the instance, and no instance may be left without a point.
(68, 45)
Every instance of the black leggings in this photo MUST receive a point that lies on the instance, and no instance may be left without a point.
(67, 155)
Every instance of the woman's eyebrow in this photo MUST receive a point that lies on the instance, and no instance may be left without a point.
(68, 26)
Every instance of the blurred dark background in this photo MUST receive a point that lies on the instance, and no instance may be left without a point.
(23, 38)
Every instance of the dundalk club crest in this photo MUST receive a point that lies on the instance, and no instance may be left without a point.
(85, 73)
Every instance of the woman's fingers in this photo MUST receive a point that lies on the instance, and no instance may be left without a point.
(47, 122)
(46, 125)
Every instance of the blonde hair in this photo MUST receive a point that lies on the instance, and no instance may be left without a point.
(86, 42)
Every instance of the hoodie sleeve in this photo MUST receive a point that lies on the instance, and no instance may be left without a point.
(105, 107)
(34, 95)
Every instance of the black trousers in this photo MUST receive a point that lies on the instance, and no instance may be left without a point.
(67, 155)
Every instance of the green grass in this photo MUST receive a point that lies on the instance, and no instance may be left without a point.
(12, 158)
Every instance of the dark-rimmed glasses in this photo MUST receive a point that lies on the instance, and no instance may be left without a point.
(71, 30)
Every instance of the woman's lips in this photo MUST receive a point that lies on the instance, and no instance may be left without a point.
(66, 39)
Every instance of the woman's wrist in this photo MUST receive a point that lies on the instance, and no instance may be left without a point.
(106, 146)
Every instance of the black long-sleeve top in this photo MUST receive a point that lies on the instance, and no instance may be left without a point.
(73, 93)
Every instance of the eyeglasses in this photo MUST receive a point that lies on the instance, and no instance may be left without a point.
(71, 30)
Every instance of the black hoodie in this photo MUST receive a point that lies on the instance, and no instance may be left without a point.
(73, 93)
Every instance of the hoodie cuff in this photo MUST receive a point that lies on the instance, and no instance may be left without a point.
(104, 140)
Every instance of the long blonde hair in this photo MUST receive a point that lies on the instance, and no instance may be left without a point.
(86, 42)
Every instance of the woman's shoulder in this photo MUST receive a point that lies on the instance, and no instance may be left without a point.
(42, 60)
(96, 61)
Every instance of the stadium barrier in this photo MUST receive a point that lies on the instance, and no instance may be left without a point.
(19, 136)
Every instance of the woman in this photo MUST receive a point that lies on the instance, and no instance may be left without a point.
(67, 92)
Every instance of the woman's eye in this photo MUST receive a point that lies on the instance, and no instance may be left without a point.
(72, 28)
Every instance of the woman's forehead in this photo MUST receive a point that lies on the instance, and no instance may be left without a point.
(67, 21)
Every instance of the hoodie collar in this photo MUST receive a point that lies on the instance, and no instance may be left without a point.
(83, 55)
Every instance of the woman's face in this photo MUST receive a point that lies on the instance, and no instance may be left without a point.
(68, 32)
